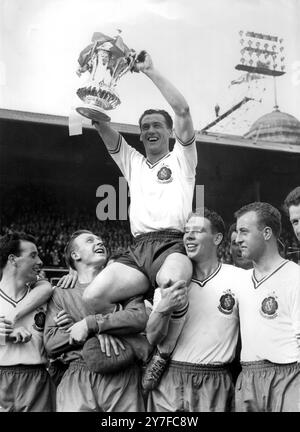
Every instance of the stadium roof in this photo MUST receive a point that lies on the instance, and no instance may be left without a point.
(276, 126)
(207, 137)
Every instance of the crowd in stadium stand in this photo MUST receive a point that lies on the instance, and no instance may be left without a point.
(52, 232)
(52, 219)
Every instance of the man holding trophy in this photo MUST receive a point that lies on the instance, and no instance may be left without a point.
(161, 189)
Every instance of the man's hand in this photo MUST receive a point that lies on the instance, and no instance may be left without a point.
(20, 335)
(173, 297)
(107, 342)
(6, 327)
(143, 63)
(69, 280)
(78, 332)
(64, 320)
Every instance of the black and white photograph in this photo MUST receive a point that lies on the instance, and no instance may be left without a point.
(149, 209)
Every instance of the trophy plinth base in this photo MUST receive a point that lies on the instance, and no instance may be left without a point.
(93, 112)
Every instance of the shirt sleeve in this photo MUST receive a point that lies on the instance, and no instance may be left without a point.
(124, 156)
(187, 156)
(131, 319)
(56, 340)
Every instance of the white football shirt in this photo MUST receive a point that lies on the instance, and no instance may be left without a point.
(270, 315)
(210, 331)
(29, 353)
(161, 194)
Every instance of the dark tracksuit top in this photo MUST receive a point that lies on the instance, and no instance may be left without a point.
(131, 319)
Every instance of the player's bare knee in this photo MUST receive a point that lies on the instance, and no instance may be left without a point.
(88, 298)
(91, 299)
(97, 299)
(187, 271)
(175, 270)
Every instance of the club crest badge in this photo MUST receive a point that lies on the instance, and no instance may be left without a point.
(227, 303)
(39, 320)
(164, 175)
(269, 307)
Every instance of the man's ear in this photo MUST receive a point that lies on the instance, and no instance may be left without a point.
(267, 233)
(75, 255)
(218, 238)
(12, 259)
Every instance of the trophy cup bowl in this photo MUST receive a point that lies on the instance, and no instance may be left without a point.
(106, 60)
(97, 100)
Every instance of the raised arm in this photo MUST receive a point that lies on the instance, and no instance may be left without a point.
(183, 123)
(109, 136)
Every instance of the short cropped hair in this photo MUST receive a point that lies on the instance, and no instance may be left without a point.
(293, 198)
(164, 113)
(267, 216)
(10, 245)
(216, 221)
(70, 247)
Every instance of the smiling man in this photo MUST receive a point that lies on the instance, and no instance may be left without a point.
(269, 308)
(24, 381)
(198, 377)
(69, 324)
(161, 191)
(235, 251)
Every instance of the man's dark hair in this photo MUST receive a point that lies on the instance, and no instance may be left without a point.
(268, 216)
(10, 245)
(232, 229)
(216, 221)
(293, 198)
(70, 247)
(164, 113)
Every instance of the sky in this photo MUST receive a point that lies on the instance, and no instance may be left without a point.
(194, 43)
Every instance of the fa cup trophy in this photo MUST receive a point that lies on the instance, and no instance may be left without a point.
(106, 60)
